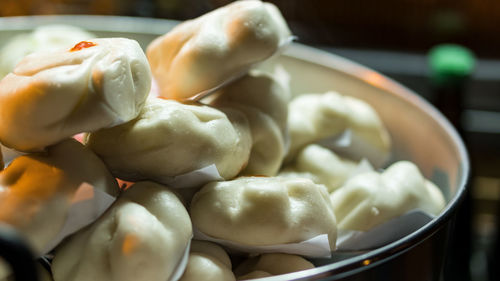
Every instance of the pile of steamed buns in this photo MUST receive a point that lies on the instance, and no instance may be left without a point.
(277, 185)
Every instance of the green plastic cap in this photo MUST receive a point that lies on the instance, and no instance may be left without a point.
(450, 63)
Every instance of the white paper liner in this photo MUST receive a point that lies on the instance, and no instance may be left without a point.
(347, 240)
(390, 231)
(9, 154)
(181, 267)
(194, 178)
(316, 247)
(87, 205)
(353, 146)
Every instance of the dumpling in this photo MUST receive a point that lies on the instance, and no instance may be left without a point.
(260, 211)
(170, 138)
(321, 165)
(265, 104)
(372, 198)
(203, 53)
(36, 190)
(51, 96)
(142, 236)
(314, 118)
(261, 91)
(272, 264)
(366, 127)
(43, 38)
(268, 147)
(209, 262)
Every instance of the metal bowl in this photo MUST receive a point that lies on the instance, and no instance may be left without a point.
(419, 133)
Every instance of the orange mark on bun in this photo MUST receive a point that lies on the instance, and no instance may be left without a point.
(82, 45)
(130, 244)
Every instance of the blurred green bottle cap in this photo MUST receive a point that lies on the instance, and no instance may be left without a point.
(450, 63)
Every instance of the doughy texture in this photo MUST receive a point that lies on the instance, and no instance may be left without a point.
(202, 53)
(367, 127)
(143, 236)
(51, 96)
(170, 138)
(212, 249)
(261, 91)
(313, 118)
(264, 101)
(268, 147)
(207, 261)
(321, 165)
(272, 264)
(264, 211)
(43, 38)
(370, 199)
(36, 190)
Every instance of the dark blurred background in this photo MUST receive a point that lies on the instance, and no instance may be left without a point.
(395, 38)
(412, 25)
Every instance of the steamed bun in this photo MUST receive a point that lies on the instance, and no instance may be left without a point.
(207, 261)
(260, 211)
(264, 101)
(371, 140)
(262, 91)
(202, 53)
(43, 38)
(372, 198)
(51, 96)
(142, 236)
(36, 190)
(272, 264)
(314, 118)
(321, 165)
(170, 138)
